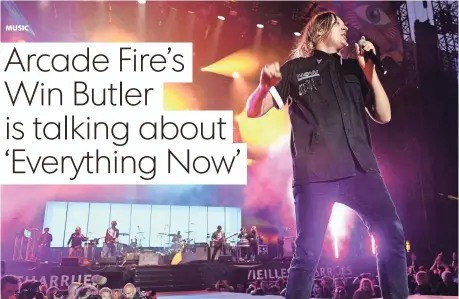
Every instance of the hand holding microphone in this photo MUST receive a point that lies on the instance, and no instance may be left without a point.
(366, 49)
(270, 75)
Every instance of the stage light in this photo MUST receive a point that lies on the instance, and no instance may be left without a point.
(142, 1)
(221, 18)
(236, 75)
(203, 69)
(190, 11)
(373, 245)
(260, 26)
(297, 34)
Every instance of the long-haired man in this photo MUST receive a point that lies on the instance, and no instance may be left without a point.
(328, 99)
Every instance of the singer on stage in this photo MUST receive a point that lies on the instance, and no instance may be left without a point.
(328, 98)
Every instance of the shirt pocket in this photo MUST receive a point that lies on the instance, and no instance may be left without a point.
(353, 89)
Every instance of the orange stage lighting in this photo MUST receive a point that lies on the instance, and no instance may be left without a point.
(112, 35)
(179, 97)
(243, 62)
(235, 75)
(264, 131)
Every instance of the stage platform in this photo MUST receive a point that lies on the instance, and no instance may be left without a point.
(191, 276)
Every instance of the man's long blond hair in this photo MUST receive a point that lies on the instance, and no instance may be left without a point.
(315, 30)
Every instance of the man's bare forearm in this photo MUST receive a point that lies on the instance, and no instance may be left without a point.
(382, 110)
(254, 105)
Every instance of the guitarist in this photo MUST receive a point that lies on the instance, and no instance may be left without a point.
(218, 240)
(75, 242)
(111, 237)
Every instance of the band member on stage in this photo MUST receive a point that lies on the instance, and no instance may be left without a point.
(177, 238)
(280, 246)
(218, 240)
(243, 241)
(75, 242)
(252, 236)
(331, 148)
(45, 244)
(111, 237)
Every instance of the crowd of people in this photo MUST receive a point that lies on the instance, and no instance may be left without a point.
(439, 279)
(13, 288)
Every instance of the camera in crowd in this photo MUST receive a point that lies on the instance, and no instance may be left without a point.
(30, 290)
(148, 295)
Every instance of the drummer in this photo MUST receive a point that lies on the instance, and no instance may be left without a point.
(243, 243)
(176, 240)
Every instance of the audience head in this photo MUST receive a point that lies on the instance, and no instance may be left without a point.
(86, 291)
(53, 293)
(129, 291)
(317, 288)
(10, 285)
(73, 287)
(116, 294)
(340, 293)
(152, 295)
(265, 285)
(339, 283)
(422, 278)
(105, 293)
(447, 277)
(366, 285)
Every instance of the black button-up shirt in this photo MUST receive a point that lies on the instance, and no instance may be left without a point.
(330, 135)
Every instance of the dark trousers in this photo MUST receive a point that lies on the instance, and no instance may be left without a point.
(367, 195)
(280, 249)
(254, 249)
(217, 249)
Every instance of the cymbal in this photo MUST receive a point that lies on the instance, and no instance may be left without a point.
(124, 234)
(140, 233)
(162, 234)
(171, 235)
(190, 231)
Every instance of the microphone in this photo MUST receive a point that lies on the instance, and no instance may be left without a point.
(374, 58)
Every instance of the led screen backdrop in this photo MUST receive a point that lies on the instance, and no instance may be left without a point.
(148, 223)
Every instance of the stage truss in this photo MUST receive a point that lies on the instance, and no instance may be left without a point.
(445, 19)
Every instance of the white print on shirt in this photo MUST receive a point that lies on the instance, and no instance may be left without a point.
(307, 75)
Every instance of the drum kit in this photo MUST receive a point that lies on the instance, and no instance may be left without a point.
(176, 244)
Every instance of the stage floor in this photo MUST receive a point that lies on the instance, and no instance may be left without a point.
(217, 295)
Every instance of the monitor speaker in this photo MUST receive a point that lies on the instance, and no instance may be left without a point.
(202, 253)
(150, 259)
(225, 258)
(70, 261)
